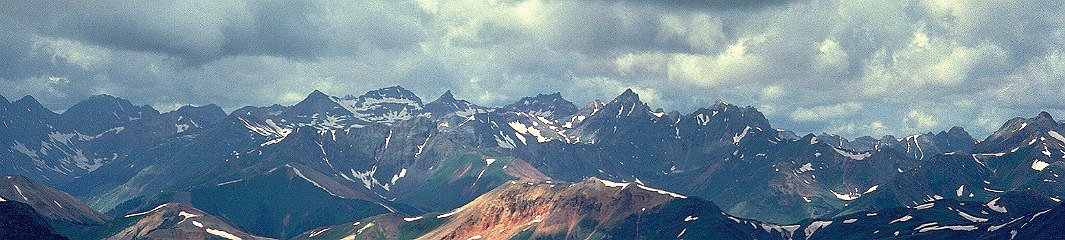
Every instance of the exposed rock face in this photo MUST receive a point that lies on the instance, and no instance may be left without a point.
(591, 208)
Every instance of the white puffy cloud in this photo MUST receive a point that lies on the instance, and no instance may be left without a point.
(821, 113)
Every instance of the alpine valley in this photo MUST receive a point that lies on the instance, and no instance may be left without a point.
(388, 165)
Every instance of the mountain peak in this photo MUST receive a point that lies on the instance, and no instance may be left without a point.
(447, 105)
(957, 130)
(28, 102)
(447, 96)
(317, 103)
(628, 96)
(721, 105)
(547, 105)
(552, 95)
(101, 112)
(193, 108)
(395, 92)
(316, 94)
(103, 96)
(209, 112)
(1016, 130)
(386, 105)
(1043, 117)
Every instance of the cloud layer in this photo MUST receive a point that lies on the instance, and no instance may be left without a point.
(849, 67)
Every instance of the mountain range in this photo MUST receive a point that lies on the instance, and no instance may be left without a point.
(385, 165)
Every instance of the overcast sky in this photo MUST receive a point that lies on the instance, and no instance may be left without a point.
(852, 67)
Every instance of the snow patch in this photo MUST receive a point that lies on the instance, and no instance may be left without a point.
(814, 226)
(185, 215)
(901, 219)
(298, 173)
(993, 205)
(661, 191)
(453, 212)
(147, 212)
(229, 182)
(1039, 165)
(846, 196)
(20, 192)
(955, 228)
(970, 217)
(806, 167)
(871, 189)
(222, 234)
(1056, 135)
(613, 184)
(855, 156)
(736, 139)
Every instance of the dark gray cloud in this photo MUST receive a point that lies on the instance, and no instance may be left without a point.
(812, 66)
(205, 31)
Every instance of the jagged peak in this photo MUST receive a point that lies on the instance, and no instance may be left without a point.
(28, 99)
(317, 102)
(548, 105)
(1043, 116)
(810, 137)
(191, 107)
(397, 92)
(96, 103)
(549, 96)
(447, 96)
(29, 103)
(1018, 128)
(103, 96)
(449, 99)
(540, 97)
(721, 105)
(628, 96)
(315, 97)
(205, 109)
(1043, 121)
(316, 94)
(957, 130)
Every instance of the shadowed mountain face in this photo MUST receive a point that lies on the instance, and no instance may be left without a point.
(279, 171)
(19, 221)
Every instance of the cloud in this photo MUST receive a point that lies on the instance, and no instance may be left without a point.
(812, 66)
(199, 32)
(826, 112)
(919, 120)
